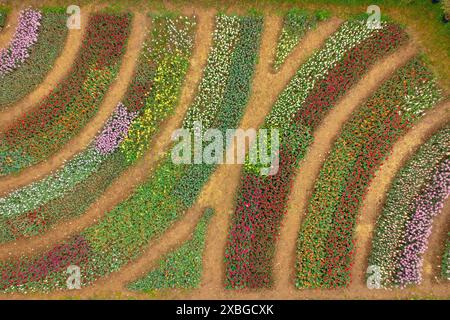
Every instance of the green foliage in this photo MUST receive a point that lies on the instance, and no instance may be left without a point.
(181, 268)
(52, 34)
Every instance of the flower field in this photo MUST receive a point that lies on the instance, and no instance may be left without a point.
(38, 41)
(262, 201)
(326, 239)
(61, 115)
(114, 159)
(404, 226)
(445, 267)
(155, 205)
(181, 268)
(73, 188)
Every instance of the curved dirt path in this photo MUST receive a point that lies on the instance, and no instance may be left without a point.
(114, 95)
(124, 185)
(60, 70)
(6, 34)
(324, 137)
(372, 205)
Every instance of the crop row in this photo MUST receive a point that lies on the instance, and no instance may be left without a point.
(314, 90)
(404, 208)
(124, 231)
(73, 188)
(445, 268)
(326, 241)
(181, 268)
(61, 115)
(50, 35)
(295, 24)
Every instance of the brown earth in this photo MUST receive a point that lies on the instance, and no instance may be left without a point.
(60, 70)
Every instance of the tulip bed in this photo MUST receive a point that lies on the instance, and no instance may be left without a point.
(50, 35)
(124, 231)
(445, 268)
(74, 187)
(296, 23)
(326, 240)
(318, 84)
(181, 268)
(404, 225)
(24, 38)
(61, 115)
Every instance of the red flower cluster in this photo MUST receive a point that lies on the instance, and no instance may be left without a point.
(262, 202)
(73, 102)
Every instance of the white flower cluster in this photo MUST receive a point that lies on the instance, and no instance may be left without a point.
(422, 99)
(216, 73)
(52, 186)
(349, 35)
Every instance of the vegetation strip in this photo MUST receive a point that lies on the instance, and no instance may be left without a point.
(262, 200)
(151, 97)
(62, 114)
(50, 39)
(181, 268)
(155, 205)
(405, 200)
(325, 244)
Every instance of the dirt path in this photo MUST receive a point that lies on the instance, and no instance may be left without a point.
(376, 196)
(436, 245)
(60, 70)
(224, 182)
(6, 34)
(324, 138)
(79, 143)
(122, 187)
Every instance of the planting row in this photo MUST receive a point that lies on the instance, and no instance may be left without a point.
(295, 24)
(445, 268)
(415, 197)
(326, 241)
(314, 90)
(122, 234)
(61, 115)
(3, 14)
(37, 42)
(151, 97)
(181, 268)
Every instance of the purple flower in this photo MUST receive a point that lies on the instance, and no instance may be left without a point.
(24, 38)
(418, 228)
(115, 130)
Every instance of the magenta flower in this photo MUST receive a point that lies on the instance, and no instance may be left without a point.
(115, 130)
(24, 38)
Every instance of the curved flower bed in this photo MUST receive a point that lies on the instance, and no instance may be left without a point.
(295, 24)
(24, 38)
(122, 234)
(402, 210)
(445, 268)
(74, 187)
(51, 37)
(318, 84)
(4, 11)
(181, 268)
(62, 114)
(326, 244)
